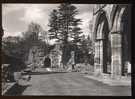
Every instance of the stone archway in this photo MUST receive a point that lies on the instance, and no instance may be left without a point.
(106, 48)
(102, 44)
(47, 62)
(120, 39)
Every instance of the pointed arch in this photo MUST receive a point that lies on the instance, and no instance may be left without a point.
(102, 42)
(120, 30)
(116, 16)
(100, 18)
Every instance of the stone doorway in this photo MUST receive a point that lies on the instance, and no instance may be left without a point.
(47, 62)
(103, 45)
(106, 48)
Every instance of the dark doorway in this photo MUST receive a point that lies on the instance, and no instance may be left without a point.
(47, 62)
(106, 47)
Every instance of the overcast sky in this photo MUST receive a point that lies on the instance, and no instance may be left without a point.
(16, 17)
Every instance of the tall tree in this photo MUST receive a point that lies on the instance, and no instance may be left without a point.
(64, 27)
(76, 35)
(86, 49)
(63, 24)
(32, 32)
(53, 24)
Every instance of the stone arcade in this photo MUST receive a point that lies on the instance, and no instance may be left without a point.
(111, 38)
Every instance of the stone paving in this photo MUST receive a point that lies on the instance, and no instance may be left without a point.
(111, 82)
(72, 84)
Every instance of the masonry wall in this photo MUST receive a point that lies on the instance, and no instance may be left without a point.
(112, 15)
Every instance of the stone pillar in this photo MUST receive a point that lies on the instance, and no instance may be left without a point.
(98, 59)
(116, 54)
(73, 57)
(101, 55)
(59, 58)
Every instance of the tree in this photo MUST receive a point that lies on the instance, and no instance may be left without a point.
(76, 35)
(31, 36)
(32, 32)
(53, 31)
(11, 46)
(12, 53)
(63, 24)
(87, 49)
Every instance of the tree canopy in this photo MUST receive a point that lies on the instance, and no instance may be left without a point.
(63, 24)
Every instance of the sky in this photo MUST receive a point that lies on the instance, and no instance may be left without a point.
(16, 17)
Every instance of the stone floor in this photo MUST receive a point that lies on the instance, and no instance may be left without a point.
(111, 82)
(72, 84)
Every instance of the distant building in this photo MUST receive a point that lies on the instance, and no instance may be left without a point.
(39, 50)
(36, 56)
(112, 35)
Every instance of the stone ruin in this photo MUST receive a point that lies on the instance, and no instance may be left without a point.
(36, 56)
(55, 56)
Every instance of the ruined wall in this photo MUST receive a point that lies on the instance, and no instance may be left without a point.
(36, 56)
(112, 15)
(55, 56)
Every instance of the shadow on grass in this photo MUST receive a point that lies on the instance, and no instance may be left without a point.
(16, 90)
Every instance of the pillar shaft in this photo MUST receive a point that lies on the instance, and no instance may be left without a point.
(116, 54)
(98, 56)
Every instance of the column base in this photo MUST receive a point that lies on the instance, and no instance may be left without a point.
(116, 77)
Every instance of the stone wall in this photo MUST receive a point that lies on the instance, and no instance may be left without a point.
(55, 56)
(36, 56)
(109, 17)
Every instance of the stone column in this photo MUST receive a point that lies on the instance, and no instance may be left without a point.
(72, 57)
(101, 55)
(98, 56)
(116, 54)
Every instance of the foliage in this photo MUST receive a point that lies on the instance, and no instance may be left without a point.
(12, 46)
(84, 53)
(65, 28)
(19, 47)
(63, 24)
